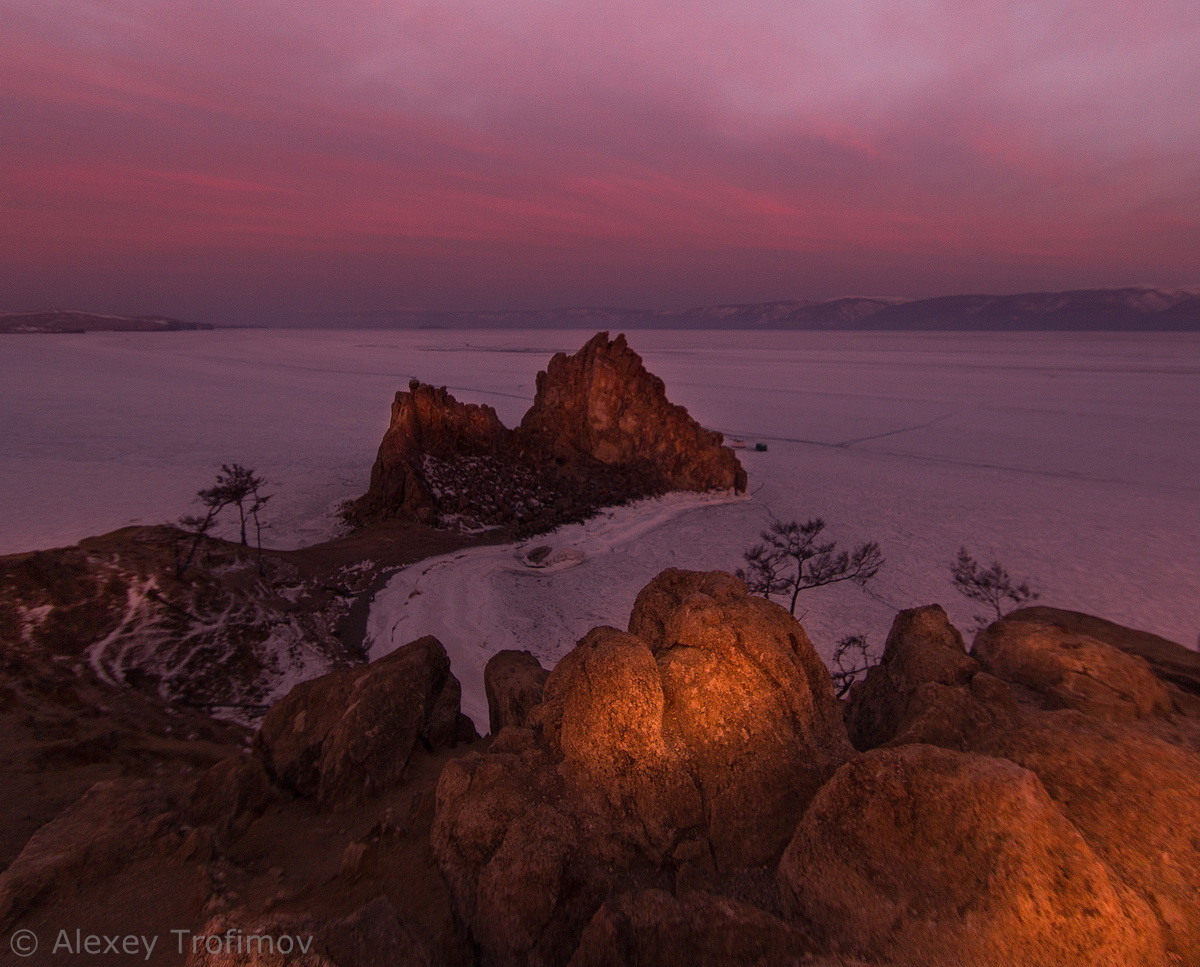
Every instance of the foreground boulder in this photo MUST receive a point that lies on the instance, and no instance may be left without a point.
(1112, 743)
(920, 855)
(680, 758)
(1071, 670)
(601, 431)
(351, 734)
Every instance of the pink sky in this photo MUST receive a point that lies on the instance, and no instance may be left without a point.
(212, 158)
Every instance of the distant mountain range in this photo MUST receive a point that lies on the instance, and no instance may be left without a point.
(65, 321)
(1130, 309)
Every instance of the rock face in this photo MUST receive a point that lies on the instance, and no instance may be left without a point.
(428, 425)
(513, 681)
(679, 757)
(601, 431)
(1073, 670)
(350, 734)
(962, 860)
(601, 406)
(1113, 745)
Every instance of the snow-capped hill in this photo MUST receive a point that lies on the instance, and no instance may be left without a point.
(1133, 309)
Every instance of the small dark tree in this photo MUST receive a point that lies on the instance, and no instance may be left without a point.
(852, 656)
(258, 500)
(992, 586)
(791, 559)
(236, 486)
(242, 489)
(214, 500)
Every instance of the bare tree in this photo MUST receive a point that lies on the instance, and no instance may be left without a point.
(257, 502)
(214, 500)
(242, 489)
(992, 586)
(791, 559)
(852, 656)
(236, 486)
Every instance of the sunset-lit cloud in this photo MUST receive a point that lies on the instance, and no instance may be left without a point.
(196, 157)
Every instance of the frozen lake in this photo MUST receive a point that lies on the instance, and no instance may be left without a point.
(1073, 458)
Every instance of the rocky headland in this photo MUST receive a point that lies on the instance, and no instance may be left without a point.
(601, 431)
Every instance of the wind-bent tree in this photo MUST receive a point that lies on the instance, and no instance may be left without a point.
(792, 558)
(236, 486)
(992, 586)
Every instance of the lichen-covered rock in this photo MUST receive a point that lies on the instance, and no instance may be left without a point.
(679, 759)
(513, 681)
(601, 431)
(350, 734)
(1072, 670)
(924, 856)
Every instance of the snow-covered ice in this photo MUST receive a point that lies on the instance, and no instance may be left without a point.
(1073, 458)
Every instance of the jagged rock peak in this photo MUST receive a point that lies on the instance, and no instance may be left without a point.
(601, 431)
(602, 404)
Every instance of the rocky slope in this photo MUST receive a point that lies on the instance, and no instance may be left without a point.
(66, 321)
(231, 635)
(601, 431)
(686, 791)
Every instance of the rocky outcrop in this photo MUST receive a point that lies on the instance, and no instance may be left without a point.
(919, 855)
(350, 734)
(428, 425)
(513, 681)
(1113, 745)
(1072, 670)
(682, 791)
(682, 757)
(685, 792)
(601, 406)
(600, 431)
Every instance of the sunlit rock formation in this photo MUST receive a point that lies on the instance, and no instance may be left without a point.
(1030, 802)
(601, 431)
(679, 753)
